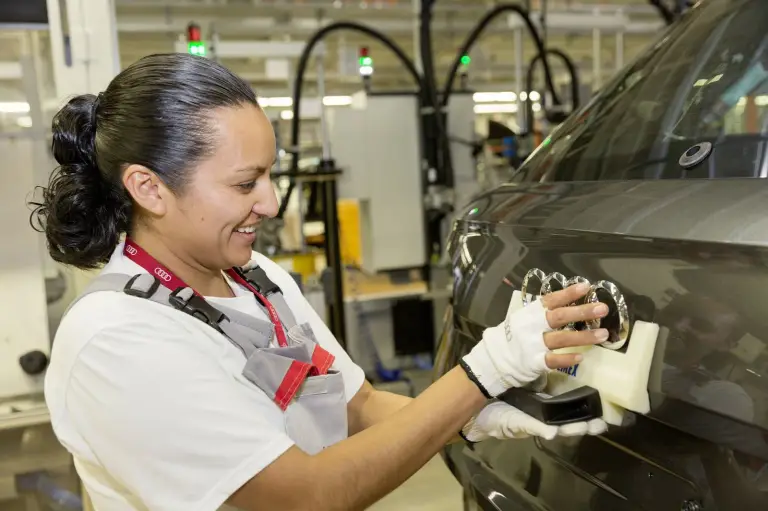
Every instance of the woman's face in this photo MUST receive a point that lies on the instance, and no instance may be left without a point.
(228, 194)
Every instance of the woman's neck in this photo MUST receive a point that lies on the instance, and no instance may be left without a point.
(205, 281)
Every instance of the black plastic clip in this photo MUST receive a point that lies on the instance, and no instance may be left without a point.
(257, 277)
(197, 307)
(131, 291)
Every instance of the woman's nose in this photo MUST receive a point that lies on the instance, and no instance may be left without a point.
(267, 204)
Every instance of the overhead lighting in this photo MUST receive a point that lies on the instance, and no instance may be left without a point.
(286, 115)
(14, 107)
(494, 97)
(337, 100)
(498, 108)
(286, 102)
(523, 96)
(280, 102)
(536, 107)
(24, 122)
(535, 96)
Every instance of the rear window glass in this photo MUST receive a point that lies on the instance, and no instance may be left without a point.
(705, 81)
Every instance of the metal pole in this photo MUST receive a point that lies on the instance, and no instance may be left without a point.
(519, 56)
(323, 120)
(619, 50)
(417, 37)
(596, 60)
(333, 257)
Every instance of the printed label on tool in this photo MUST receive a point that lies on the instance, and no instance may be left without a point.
(570, 371)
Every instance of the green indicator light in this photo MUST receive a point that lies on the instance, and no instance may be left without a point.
(196, 48)
(466, 60)
(366, 61)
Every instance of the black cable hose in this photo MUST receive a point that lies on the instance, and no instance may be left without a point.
(664, 11)
(299, 82)
(575, 85)
(477, 32)
(441, 160)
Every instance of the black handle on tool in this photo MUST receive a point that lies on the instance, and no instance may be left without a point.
(581, 404)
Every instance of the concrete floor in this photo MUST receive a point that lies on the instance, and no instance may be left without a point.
(433, 487)
(430, 489)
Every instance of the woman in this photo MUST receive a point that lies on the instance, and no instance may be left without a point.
(179, 381)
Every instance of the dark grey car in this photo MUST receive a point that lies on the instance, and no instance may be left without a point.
(657, 185)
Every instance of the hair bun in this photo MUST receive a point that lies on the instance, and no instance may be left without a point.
(81, 214)
(74, 131)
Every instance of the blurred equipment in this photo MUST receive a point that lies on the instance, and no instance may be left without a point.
(385, 182)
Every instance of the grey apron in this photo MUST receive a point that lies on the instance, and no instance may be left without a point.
(315, 407)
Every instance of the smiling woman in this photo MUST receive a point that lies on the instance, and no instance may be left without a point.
(173, 153)
(192, 372)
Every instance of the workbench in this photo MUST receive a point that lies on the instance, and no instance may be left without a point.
(370, 312)
(364, 287)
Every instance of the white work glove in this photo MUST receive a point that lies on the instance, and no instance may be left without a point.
(511, 354)
(502, 421)
(514, 353)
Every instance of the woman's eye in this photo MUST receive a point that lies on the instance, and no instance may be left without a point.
(247, 186)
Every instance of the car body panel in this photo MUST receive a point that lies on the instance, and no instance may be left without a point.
(710, 391)
(688, 248)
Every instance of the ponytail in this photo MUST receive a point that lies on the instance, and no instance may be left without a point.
(81, 213)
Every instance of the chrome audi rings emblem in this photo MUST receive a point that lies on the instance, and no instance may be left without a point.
(619, 305)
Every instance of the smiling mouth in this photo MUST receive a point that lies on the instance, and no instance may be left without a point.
(247, 230)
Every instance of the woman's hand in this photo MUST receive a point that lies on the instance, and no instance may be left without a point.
(502, 421)
(517, 351)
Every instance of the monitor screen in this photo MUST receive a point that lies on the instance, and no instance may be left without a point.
(23, 12)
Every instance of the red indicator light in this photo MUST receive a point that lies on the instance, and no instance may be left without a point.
(194, 34)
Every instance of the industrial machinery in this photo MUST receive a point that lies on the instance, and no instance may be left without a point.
(411, 236)
(655, 192)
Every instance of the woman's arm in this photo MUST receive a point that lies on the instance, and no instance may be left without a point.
(357, 472)
(371, 406)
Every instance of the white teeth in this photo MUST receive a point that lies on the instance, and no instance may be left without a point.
(247, 230)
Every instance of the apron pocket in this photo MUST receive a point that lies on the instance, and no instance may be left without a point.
(318, 420)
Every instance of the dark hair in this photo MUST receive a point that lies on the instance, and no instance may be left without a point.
(152, 114)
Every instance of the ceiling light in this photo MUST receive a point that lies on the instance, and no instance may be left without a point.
(536, 106)
(523, 96)
(337, 100)
(286, 115)
(14, 107)
(24, 122)
(498, 108)
(535, 96)
(280, 102)
(493, 97)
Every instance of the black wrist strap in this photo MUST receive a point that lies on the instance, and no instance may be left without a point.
(464, 437)
(471, 375)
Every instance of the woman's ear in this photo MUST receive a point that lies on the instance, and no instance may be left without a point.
(146, 189)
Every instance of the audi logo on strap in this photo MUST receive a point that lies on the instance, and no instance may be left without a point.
(618, 338)
(131, 250)
(163, 274)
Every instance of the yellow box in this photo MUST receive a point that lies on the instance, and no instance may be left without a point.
(349, 235)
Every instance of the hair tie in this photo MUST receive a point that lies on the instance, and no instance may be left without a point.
(95, 107)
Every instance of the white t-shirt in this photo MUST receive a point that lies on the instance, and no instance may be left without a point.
(152, 403)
